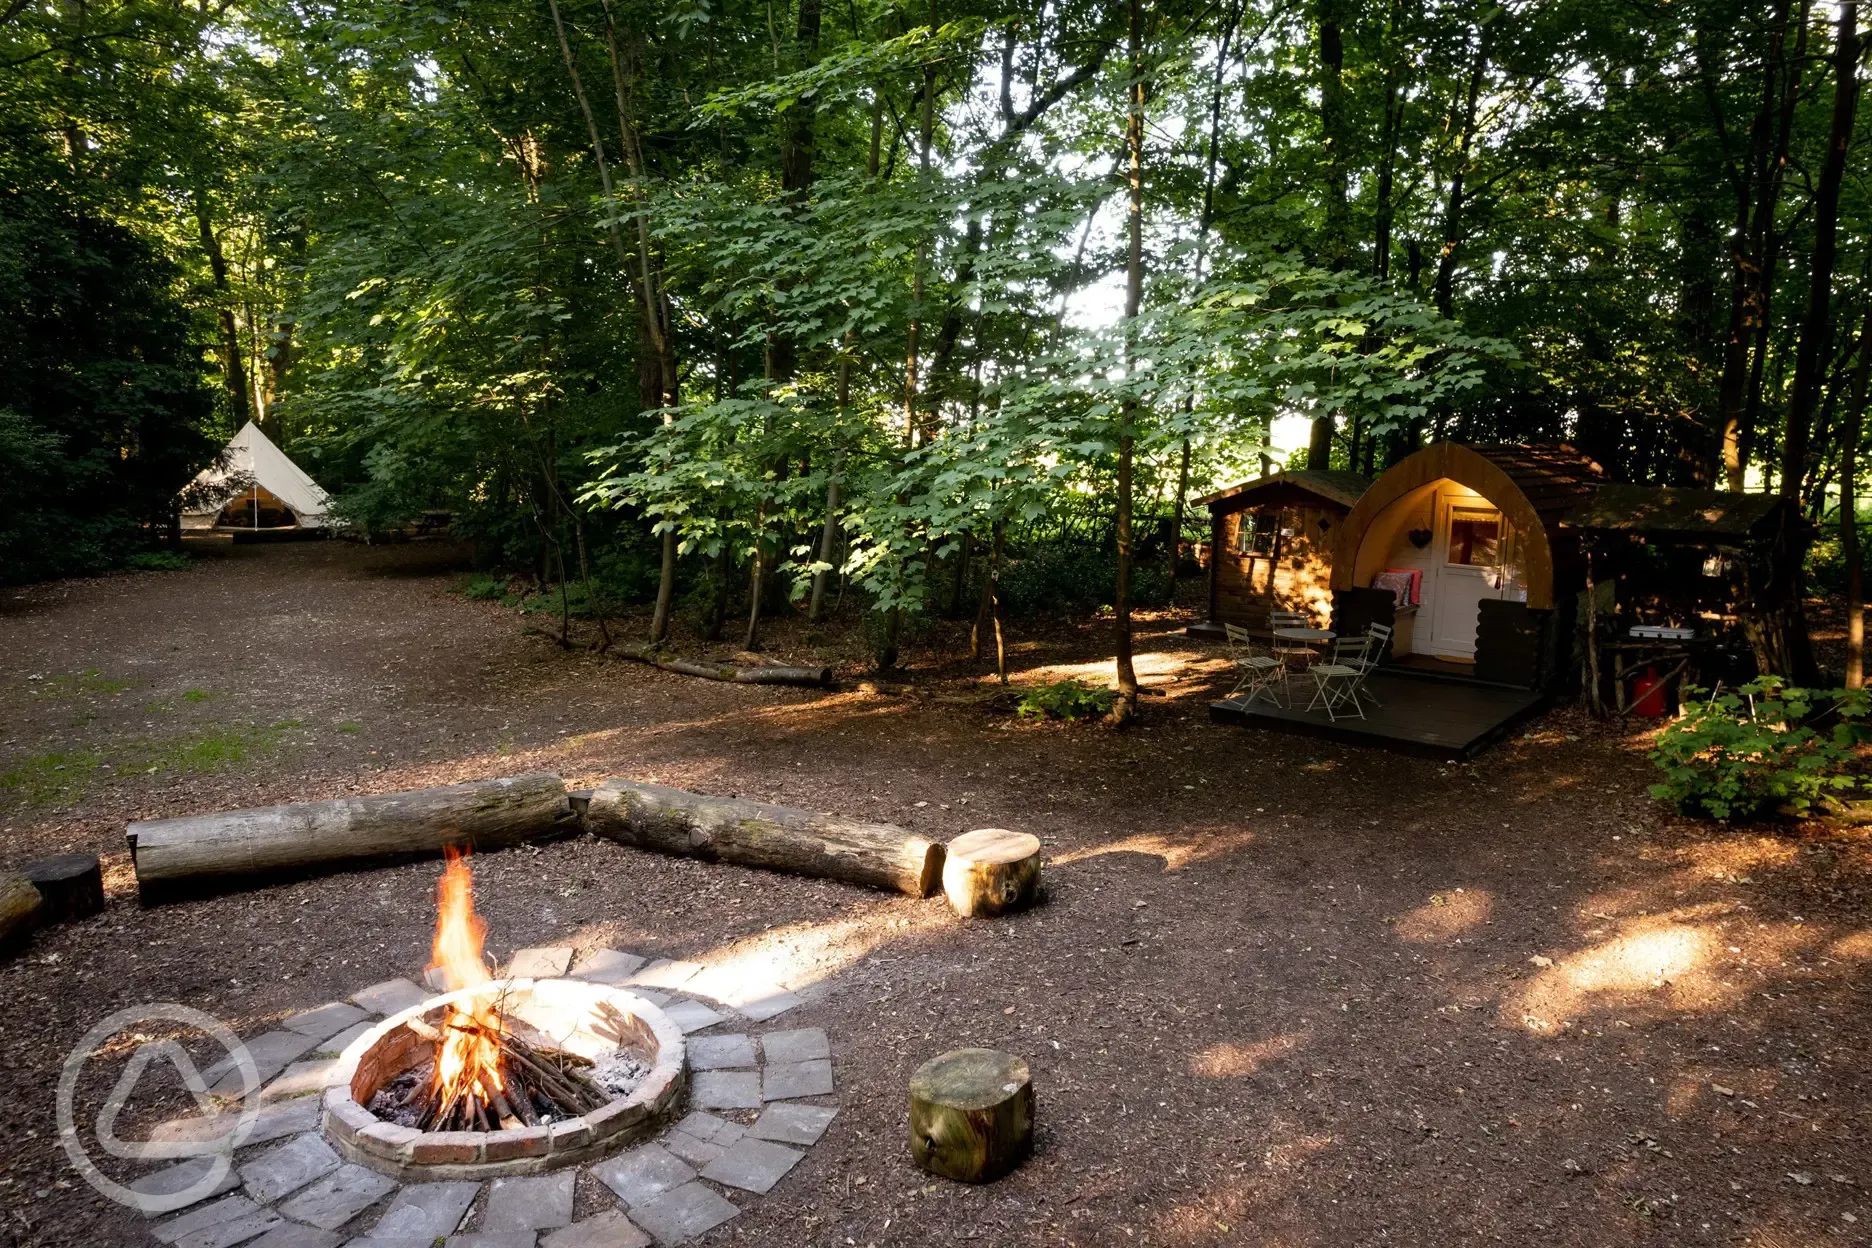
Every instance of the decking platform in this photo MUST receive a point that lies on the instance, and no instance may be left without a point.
(1427, 717)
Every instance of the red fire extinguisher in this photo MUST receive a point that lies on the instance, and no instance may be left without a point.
(1648, 695)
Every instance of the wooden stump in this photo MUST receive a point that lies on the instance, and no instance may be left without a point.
(971, 1114)
(70, 885)
(19, 910)
(992, 871)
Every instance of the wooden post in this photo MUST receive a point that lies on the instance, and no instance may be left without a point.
(971, 1114)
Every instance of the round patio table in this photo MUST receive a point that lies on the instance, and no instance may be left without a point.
(1307, 636)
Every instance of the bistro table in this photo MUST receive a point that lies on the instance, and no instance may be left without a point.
(1306, 637)
(1311, 636)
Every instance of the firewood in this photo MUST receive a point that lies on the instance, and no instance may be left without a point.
(759, 834)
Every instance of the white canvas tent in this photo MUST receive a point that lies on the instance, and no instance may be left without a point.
(253, 468)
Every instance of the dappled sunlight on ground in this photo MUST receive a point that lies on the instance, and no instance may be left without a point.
(1177, 851)
(1231, 1060)
(1736, 857)
(1158, 666)
(1653, 960)
(1446, 916)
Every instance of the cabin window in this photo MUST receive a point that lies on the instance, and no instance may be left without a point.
(1261, 530)
(1475, 537)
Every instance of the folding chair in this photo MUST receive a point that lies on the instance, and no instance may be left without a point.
(1259, 672)
(1380, 635)
(1336, 682)
(1285, 649)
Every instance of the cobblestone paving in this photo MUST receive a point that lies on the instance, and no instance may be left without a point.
(759, 1098)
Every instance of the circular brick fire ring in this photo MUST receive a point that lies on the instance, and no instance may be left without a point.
(586, 1018)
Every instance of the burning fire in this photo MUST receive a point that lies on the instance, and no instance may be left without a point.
(468, 1058)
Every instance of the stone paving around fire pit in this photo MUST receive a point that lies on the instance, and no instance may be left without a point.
(756, 1100)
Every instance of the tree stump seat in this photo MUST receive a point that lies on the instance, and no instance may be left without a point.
(971, 1114)
(71, 886)
(992, 871)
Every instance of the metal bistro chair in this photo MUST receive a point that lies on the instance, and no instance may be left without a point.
(1374, 655)
(1285, 648)
(1336, 681)
(1259, 672)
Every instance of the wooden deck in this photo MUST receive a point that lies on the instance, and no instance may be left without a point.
(1426, 717)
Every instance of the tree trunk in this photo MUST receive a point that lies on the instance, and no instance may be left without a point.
(1767, 243)
(760, 834)
(1124, 710)
(1756, 189)
(1849, 514)
(1176, 517)
(1444, 287)
(1813, 348)
(1333, 133)
(1777, 624)
(233, 359)
(290, 840)
(653, 300)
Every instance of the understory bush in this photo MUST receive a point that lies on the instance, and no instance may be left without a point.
(1066, 699)
(158, 561)
(1067, 578)
(1760, 747)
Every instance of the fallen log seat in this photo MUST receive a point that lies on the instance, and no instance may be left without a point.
(764, 674)
(760, 834)
(70, 885)
(208, 851)
(20, 908)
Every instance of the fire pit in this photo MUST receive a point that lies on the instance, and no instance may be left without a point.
(509, 1076)
(601, 1025)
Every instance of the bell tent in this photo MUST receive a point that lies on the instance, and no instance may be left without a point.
(254, 485)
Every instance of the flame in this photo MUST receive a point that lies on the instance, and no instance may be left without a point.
(468, 1059)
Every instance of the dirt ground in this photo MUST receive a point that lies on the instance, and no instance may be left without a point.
(1282, 992)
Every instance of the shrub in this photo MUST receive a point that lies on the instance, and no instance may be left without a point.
(483, 588)
(1064, 577)
(1758, 748)
(158, 561)
(1066, 699)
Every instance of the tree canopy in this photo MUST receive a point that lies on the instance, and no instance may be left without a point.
(739, 304)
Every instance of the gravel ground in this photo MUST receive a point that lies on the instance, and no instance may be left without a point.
(1282, 992)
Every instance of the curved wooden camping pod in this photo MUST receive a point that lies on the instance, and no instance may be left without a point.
(1532, 486)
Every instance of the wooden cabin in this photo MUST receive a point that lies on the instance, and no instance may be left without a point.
(1271, 544)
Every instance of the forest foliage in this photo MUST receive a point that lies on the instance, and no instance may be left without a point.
(744, 308)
